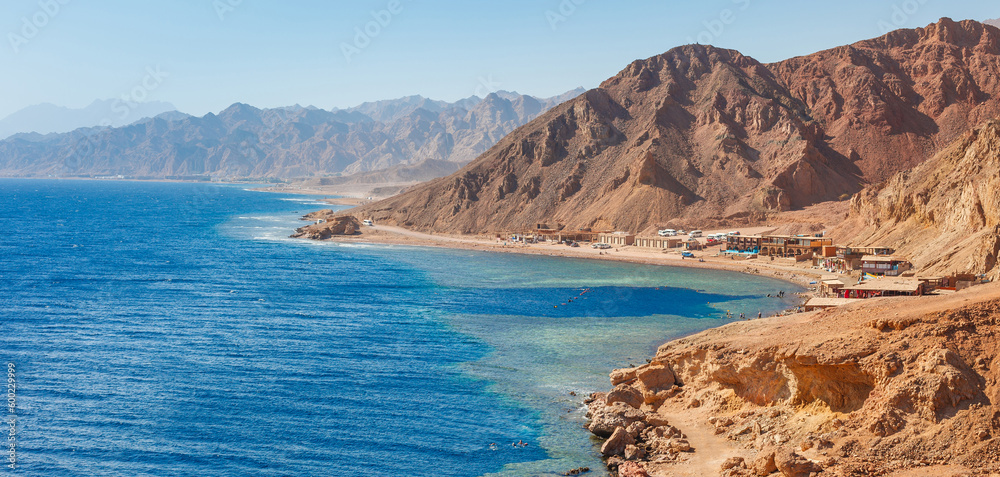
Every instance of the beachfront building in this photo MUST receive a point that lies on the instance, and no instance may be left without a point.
(824, 303)
(617, 239)
(831, 287)
(657, 242)
(553, 235)
(800, 247)
(693, 244)
(848, 259)
(884, 265)
(884, 287)
(743, 243)
(793, 245)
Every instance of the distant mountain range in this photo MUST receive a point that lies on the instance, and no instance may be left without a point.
(994, 22)
(293, 142)
(48, 118)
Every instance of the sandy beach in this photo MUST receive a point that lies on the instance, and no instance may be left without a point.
(708, 258)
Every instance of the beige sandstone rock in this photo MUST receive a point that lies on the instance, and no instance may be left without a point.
(625, 394)
(616, 444)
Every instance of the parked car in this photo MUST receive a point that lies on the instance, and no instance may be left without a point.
(667, 233)
(601, 246)
(368, 222)
(695, 234)
(687, 254)
(573, 244)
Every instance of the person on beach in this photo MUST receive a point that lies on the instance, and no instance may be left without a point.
(758, 315)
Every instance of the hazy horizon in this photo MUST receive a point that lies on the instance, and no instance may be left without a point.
(202, 56)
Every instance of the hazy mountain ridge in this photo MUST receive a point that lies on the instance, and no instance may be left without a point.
(243, 141)
(48, 118)
(702, 136)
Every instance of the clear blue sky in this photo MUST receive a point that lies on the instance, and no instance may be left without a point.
(270, 53)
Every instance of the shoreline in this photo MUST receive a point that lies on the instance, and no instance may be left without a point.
(388, 235)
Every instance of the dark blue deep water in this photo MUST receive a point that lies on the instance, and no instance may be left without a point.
(173, 330)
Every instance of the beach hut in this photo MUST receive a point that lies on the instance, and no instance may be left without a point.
(884, 265)
(884, 287)
(819, 303)
(831, 287)
(617, 239)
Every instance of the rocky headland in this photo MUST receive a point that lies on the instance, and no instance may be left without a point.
(877, 388)
(327, 225)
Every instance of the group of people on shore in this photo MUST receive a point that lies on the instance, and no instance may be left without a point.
(743, 316)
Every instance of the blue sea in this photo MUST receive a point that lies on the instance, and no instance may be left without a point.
(171, 329)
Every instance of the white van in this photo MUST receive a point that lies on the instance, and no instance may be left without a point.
(695, 234)
(369, 223)
(667, 233)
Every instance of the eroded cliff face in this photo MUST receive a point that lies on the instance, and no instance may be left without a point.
(706, 135)
(944, 214)
(890, 103)
(862, 390)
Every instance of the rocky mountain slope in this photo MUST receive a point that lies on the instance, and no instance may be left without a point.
(243, 141)
(944, 215)
(700, 135)
(872, 388)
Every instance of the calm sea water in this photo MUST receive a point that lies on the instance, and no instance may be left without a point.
(172, 329)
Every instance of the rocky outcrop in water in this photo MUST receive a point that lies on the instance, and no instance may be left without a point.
(328, 225)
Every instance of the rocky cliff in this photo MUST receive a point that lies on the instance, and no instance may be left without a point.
(243, 141)
(867, 389)
(327, 225)
(944, 215)
(701, 135)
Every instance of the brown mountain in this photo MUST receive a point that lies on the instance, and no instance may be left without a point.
(944, 214)
(701, 135)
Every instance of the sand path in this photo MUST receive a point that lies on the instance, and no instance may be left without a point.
(710, 450)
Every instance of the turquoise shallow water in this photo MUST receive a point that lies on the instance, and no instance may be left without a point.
(173, 329)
